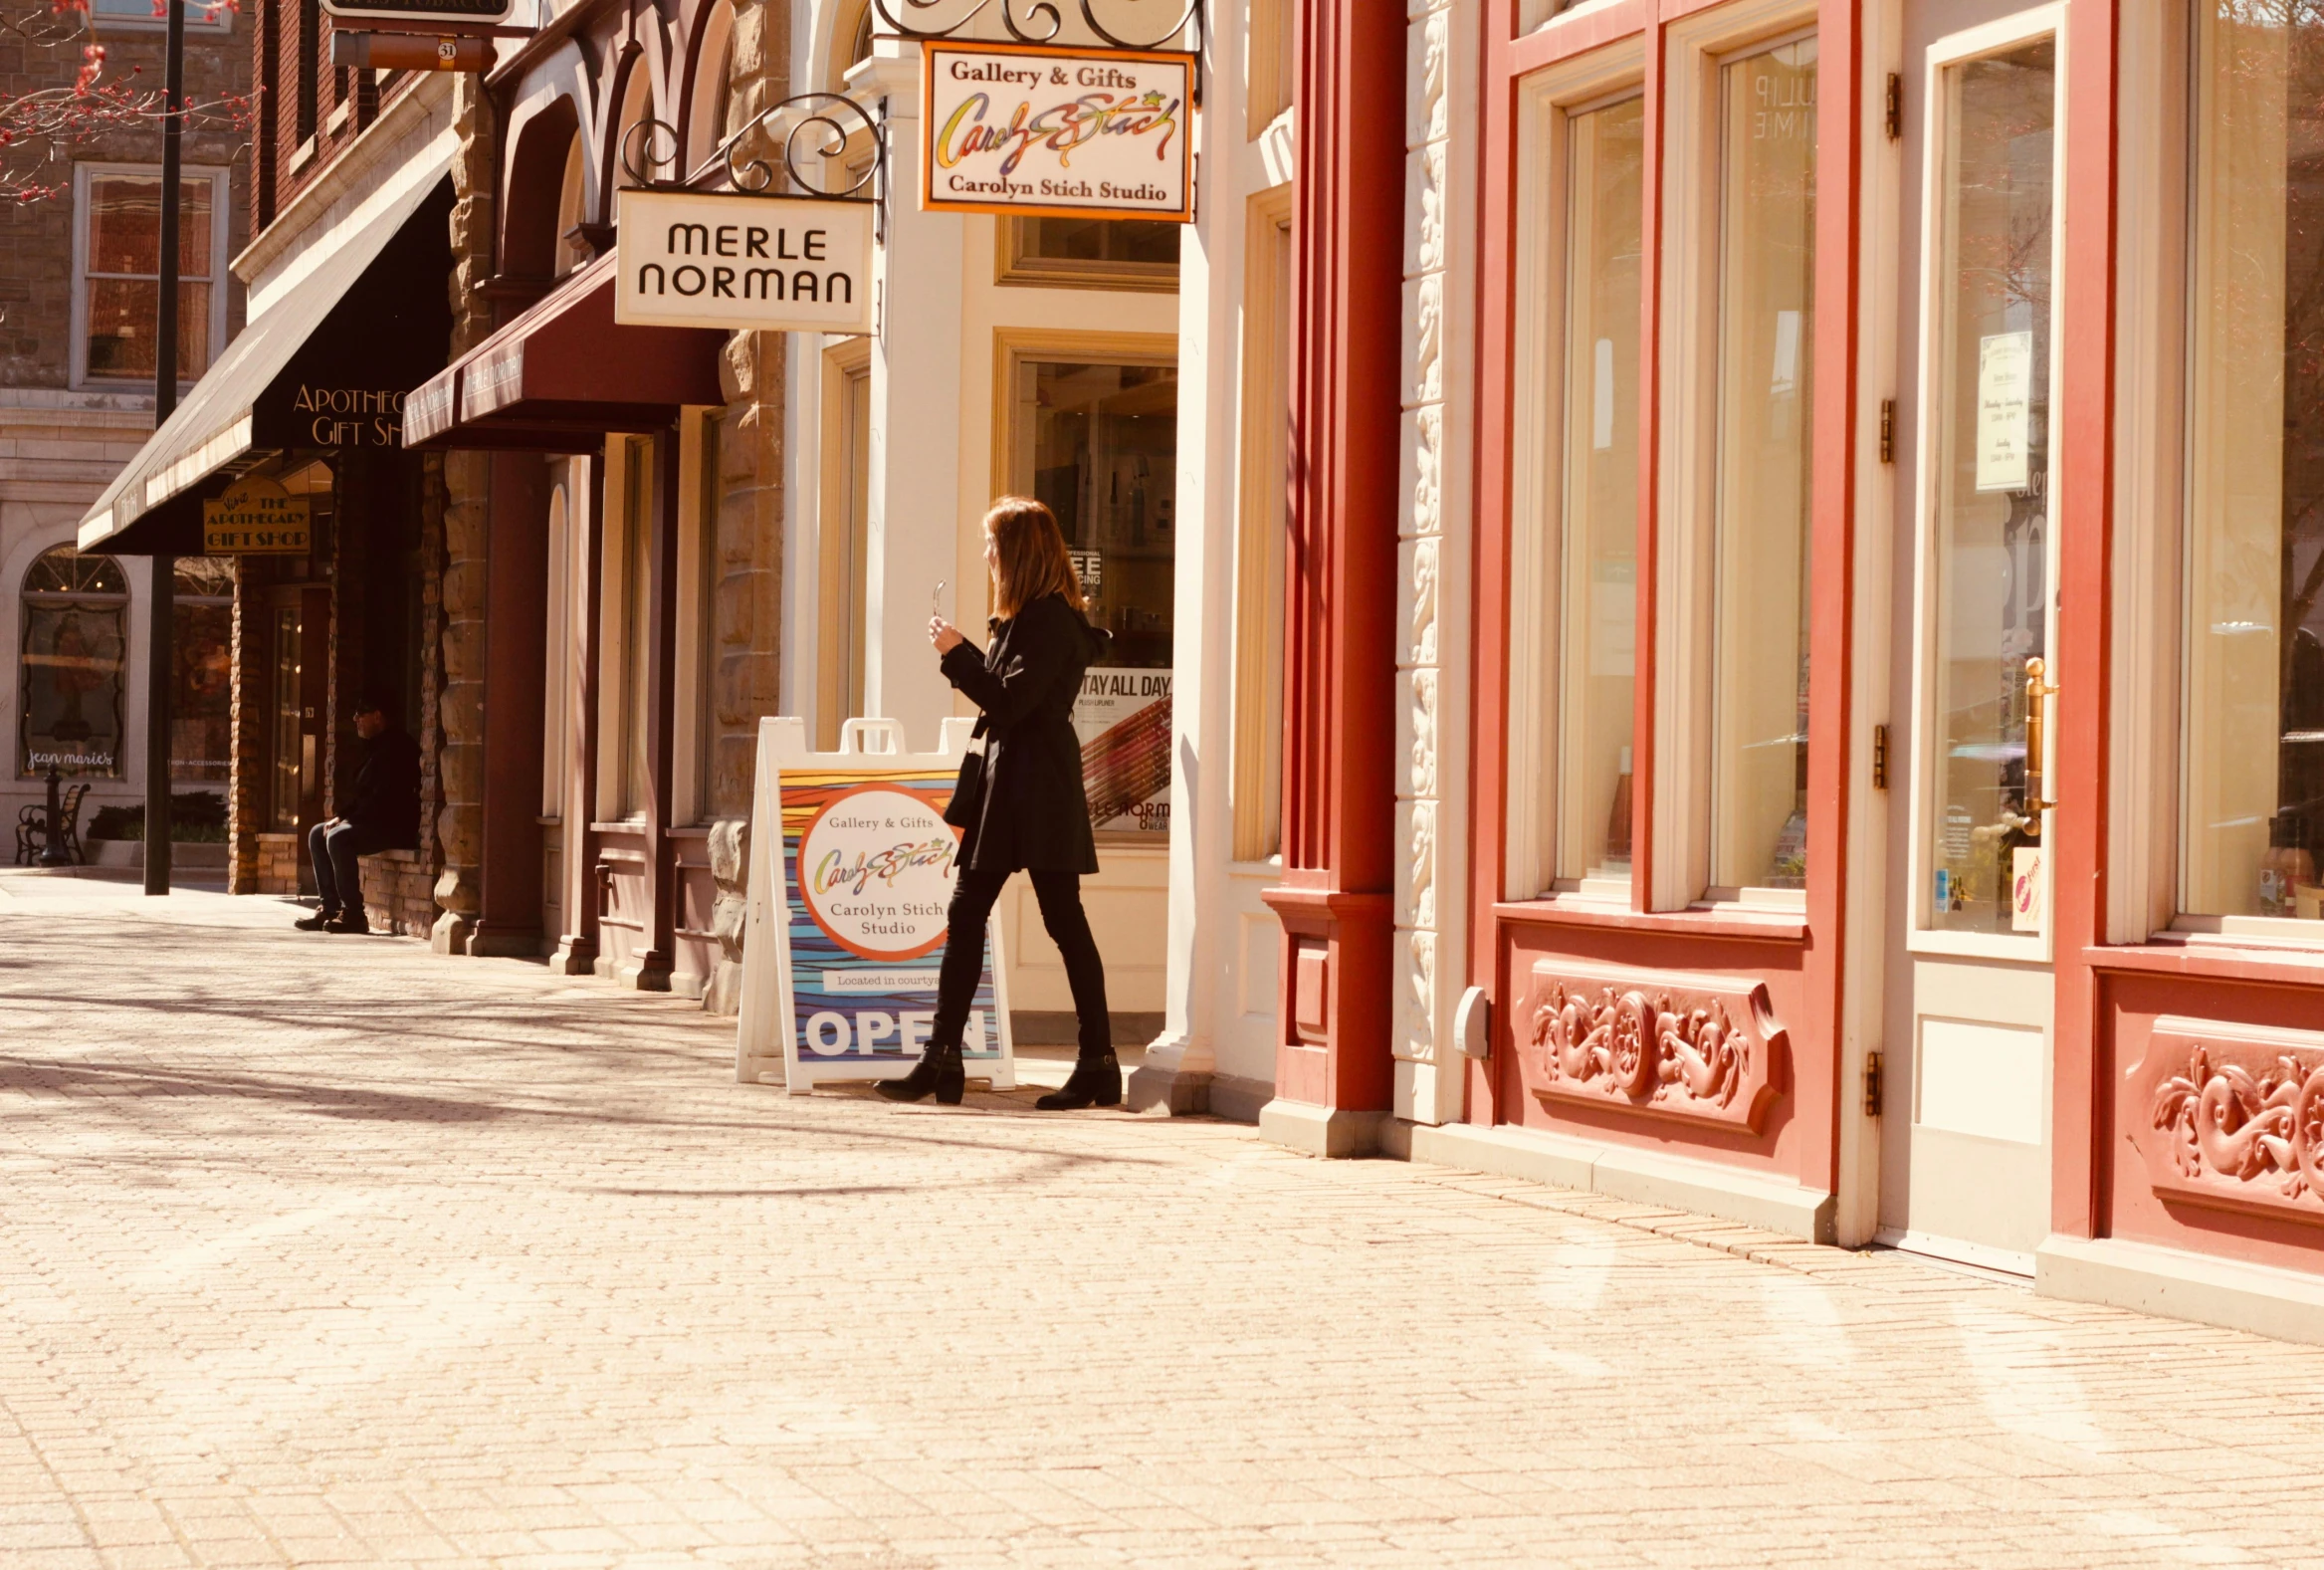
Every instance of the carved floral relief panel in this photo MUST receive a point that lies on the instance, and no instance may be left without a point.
(2233, 1116)
(1704, 1049)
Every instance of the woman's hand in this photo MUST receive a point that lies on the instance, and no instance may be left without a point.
(943, 635)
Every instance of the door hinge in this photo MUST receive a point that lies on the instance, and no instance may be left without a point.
(1888, 430)
(1880, 757)
(1872, 1084)
(1895, 106)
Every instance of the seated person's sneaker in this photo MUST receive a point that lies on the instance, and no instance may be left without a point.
(319, 922)
(348, 921)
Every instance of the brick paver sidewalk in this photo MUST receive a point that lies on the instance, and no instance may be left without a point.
(325, 1251)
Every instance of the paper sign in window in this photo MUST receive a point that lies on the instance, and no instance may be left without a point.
(2005, 411)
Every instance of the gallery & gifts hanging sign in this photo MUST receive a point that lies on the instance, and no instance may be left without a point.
(746, 263)
(1035, 130)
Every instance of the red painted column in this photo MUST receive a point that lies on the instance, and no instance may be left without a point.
(1338, 780)
(516, 692)
(2084, 432)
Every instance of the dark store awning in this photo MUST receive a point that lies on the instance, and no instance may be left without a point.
(339, 350)
(565, 375)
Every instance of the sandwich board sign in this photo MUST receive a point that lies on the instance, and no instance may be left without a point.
(852, 867)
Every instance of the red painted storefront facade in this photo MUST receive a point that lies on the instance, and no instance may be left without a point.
(1812, 1058)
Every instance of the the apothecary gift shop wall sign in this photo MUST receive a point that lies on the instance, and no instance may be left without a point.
(763, 264)
(1063, 133)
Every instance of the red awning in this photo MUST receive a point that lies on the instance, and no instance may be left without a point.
(563, 375)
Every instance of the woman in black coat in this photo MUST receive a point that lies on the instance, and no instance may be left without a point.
(1035, 814)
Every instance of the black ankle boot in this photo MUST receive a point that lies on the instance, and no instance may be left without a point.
(1096, 1082)
(938, 1069)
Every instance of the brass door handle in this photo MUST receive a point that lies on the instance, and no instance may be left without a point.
(2037, 693)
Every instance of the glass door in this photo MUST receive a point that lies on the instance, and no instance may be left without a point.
(1965, 1154)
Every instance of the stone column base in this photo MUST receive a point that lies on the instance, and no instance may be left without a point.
(486, 943)
(1185, 1092)
(450, 934)
(1338, 1133)
(573, 956)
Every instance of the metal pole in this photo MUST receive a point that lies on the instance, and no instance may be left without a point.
(53, 851)
(160, 629)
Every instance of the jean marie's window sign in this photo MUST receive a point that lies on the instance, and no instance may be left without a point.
(1060, 132)
(255, 517)
(764, 263)
(74, 655)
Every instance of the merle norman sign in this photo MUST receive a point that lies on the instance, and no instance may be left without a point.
(766, 264)
(1063, 133)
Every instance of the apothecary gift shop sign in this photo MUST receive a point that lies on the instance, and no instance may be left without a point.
(1062, 132)
(764, 263)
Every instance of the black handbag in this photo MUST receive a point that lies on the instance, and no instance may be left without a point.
(967, 803)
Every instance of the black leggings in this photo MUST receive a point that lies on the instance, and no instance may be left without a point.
(1060, 897)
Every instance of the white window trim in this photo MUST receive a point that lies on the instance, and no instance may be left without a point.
(1970, 44)
(2154, 320)
(1255, 792)
(220, 280)
(1546, 100)
(1686, 585)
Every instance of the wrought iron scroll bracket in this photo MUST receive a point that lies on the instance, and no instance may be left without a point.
(811, 130)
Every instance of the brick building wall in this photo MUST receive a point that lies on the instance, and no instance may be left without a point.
(311, 109)
(61, 444)
(41, 51)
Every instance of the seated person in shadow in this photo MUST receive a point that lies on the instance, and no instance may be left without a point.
(384, 814)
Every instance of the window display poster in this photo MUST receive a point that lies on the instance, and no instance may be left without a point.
(201, 716)
(1123, 718)
(866, 873)
(2004, 412)
(71, 715)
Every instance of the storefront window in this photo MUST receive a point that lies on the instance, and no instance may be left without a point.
(290, 743)
(118, 276)
(2254, 693)
(1104, 253)
(201, 745)
(76, 638)
(1601, 503)
(1766, 276)
(1100, 444)
(1988, 481)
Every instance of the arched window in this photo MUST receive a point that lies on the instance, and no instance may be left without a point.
(713, 96)
(75, 646)
(573, 209)
(851, 42)
(637, 102)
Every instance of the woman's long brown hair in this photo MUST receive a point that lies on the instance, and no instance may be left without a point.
(1029, 559)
